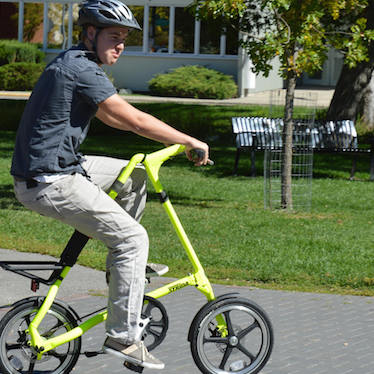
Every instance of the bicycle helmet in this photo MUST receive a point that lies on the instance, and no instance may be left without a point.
(106, 13)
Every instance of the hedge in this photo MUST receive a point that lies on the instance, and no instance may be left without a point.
(20, 76)
(14, 51)
(194, 81)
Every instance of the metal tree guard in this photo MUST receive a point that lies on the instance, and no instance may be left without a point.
(302, 153)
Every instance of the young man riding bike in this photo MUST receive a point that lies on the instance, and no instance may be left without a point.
(52, 178)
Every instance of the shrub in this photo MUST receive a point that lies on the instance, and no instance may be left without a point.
(14, 51)
(20, 76)
(194, 81)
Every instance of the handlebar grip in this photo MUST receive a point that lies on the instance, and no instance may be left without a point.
(201, 154)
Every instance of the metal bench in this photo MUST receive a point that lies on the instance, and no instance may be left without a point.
(259, 133)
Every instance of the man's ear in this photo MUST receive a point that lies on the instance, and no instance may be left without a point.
(90, 33)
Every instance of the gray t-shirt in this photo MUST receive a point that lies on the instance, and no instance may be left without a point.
(57, 115)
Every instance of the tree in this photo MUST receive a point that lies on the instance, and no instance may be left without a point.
(355, 88)
(299, 33)
(367, 115)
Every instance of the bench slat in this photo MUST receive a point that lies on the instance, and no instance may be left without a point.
(263, 133)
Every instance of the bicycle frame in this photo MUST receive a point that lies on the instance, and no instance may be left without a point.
(198, 279)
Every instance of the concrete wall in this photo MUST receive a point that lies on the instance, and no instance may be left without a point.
(134, 71)
(271, 82)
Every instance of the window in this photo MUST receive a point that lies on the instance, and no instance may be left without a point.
(232, 40)
(210, 37)
(165, 29)
(58, 35)
(8, 16)
(184, 31)
(134, 41)
(158, 29)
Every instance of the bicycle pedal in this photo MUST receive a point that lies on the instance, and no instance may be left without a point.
(93, 353)
(133, 367)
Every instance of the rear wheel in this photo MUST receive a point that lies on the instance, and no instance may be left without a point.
(17, 357)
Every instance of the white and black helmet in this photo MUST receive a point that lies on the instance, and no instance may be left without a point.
(106, 13)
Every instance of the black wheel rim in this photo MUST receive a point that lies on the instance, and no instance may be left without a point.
(243, 347)
(18, 357)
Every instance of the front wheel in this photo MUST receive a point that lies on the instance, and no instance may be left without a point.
(240, 342)
(17, 357)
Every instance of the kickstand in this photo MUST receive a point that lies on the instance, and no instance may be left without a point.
(133, 367)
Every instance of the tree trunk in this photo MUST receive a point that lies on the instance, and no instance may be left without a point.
(286, 171)
(368, 105)
(350, 91)
(353, 83)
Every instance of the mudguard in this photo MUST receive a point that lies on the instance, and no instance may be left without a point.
(38, 300)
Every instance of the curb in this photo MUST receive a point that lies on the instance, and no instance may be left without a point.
(323, 98)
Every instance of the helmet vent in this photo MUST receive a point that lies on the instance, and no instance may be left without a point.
(107, 14)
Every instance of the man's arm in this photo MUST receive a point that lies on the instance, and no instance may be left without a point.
(116, 112)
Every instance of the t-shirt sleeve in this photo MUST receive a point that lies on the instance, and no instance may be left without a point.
(94, 86)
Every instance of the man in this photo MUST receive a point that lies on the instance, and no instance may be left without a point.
(54, 179)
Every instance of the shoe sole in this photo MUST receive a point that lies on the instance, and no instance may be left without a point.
(133, 360)
(158, 273)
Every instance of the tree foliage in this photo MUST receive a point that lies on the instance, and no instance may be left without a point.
(354, 91)
(299, 33)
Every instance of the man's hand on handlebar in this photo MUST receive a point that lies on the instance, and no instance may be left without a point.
(198, 152)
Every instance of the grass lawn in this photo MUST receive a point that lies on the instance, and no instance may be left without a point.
(329, 249)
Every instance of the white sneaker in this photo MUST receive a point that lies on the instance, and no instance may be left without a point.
(136, 353)
(153, 270)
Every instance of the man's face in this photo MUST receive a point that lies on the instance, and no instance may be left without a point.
(110, 44)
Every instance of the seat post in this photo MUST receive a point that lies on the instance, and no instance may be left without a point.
(73, 248)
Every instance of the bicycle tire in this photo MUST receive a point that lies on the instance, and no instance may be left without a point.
(16, 356)
(248, 343)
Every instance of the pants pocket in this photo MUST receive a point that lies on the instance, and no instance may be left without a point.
(43, 199)
(43, 204)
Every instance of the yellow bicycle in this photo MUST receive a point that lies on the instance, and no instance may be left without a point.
(41, 334)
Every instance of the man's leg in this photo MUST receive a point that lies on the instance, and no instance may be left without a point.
(103, 171)
(80, 203)
(85, 206)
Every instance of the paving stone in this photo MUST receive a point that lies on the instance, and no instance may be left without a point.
(313, 333)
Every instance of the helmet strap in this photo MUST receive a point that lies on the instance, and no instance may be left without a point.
(94, 44)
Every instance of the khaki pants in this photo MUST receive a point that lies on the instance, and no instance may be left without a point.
(83, 204)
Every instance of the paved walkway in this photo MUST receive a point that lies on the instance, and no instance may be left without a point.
(314, 333)
(321, 98)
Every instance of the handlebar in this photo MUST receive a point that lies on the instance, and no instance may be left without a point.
(164, 154)
(152, 163)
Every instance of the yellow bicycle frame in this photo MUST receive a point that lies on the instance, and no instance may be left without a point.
(198, 279)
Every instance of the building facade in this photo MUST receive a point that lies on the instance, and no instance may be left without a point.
(171, 36)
